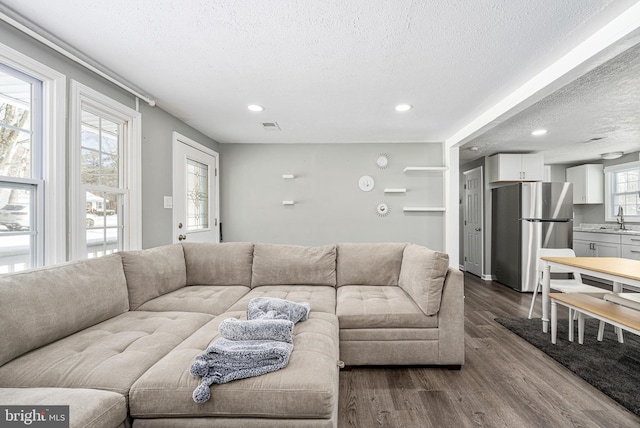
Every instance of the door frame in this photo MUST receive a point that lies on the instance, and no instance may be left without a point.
(182, 139)
(464, 212)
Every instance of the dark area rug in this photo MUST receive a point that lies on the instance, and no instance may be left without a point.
(612, 367)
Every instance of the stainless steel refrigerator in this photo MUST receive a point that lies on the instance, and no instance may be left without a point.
(526, 217)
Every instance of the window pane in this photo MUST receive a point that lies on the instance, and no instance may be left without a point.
(109, 137)
(103, 223)
(109, 171)
(17, 231)
(15, 153)
(15, 102)
(90, 169)
(197, 195)
(90, 138)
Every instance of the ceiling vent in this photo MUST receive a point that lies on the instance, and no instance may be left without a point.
(270, 126)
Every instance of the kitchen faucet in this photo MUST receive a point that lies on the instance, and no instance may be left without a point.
(620, 220)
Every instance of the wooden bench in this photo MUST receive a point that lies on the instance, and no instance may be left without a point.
(622, 317)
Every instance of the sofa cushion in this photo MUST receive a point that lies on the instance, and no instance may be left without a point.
(369, 264)
(218, 264)
(422, 276)
(207, 299)
(367, 307)
(321, 298)
(109, 356)
(153, 272)
(87, 407)
(292, 264)
(40, 306)
(306, 388)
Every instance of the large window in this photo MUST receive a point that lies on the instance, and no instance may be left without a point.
(105, 175)
(622, 189)
(21, 211)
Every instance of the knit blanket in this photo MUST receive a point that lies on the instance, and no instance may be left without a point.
(226, 360)
(261, 344)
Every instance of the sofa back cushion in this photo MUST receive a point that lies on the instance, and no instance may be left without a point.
(422, 276)
(218, 264)
(293, 265)
(40, 306)
(153, 272)
(369, 264)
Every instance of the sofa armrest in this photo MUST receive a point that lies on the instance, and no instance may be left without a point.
(451, 319)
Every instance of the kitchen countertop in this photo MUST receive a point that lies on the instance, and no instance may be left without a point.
(600, 228)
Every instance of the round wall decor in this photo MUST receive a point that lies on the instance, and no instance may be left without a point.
(366, 183)
(382, 209)
(382, 160)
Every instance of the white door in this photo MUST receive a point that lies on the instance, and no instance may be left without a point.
(473, 215)
(195, 192)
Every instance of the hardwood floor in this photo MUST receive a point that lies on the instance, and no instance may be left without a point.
(505, 381)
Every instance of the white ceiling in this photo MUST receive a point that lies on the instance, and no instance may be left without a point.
(332, 71)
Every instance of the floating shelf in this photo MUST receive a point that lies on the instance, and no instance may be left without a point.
(288, 203)
(288, 176)
(425, 168)
(395, 190)
(422, 209)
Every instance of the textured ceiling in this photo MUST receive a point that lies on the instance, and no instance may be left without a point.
(326, 71)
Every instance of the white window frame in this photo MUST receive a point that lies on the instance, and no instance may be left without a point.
(610, 212)
(52, 200)
(131, 168)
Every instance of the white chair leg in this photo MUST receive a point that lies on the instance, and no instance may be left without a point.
(571, 327)
(533, 300)
(580, 328)
(619, 333)
(600, 331)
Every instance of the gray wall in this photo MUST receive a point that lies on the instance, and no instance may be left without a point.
(329, 207)
(157, 128)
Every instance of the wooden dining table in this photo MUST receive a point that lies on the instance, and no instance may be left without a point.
(624, 273)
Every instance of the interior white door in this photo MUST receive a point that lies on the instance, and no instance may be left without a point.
(195, 192)
(473, 222)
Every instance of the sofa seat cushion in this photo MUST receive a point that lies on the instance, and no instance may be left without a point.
(87, 407)
(306, 388)
(110, 355)
(369, 264)
(364, 306)
(207, 299)
(226, 263)
(322, 298)
(40, 306)
(293, 265)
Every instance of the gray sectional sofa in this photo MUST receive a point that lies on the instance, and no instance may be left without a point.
(115, 337)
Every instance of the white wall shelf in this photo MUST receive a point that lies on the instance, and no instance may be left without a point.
(288, 176)
(288, 203)
(425, 168)
(395, 190)
(423, 209)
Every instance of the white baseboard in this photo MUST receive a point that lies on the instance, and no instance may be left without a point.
(488, 277)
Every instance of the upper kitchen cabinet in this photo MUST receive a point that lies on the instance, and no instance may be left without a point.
(588, 183)
(516, 167)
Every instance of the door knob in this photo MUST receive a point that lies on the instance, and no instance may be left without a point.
(478, 229)
(182, 237)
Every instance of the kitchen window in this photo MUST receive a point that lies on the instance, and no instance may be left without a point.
(622, 189)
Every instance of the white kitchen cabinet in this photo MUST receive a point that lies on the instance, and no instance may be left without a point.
(593, 244)
(516, 167)
(631, 247)
(588, 183)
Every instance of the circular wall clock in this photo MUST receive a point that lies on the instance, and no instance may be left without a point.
(366, 183)
(382, 160)
(382, 209)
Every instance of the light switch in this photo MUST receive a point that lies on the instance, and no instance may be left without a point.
(168, 201)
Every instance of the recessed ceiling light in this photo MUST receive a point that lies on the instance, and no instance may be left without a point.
(611, 155)
(403, 107)
(255, 107)
(539, 132)
(474, 148)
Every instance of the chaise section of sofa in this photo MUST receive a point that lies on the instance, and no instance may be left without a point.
(408, 310)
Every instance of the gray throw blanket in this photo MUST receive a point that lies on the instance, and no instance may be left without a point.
(253, 347)
(226, 360)
(257, 329)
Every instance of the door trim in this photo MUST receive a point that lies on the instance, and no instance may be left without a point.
(181, 139)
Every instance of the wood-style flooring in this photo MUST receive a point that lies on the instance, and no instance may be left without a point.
(505, 382)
